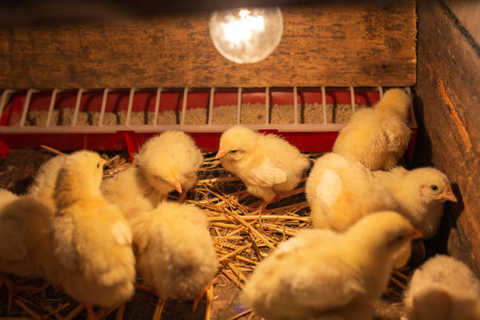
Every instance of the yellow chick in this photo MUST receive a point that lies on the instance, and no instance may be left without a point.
(175, 252)
(420, 195)
(92, 240)
(443, 289)
(170, 161)
(26, 250)
(336, 276)
(43, 184)
(378, 136)
(131, 191)
(267, 164)
(341, 191)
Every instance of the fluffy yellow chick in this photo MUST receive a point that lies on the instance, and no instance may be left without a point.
(92, 240)
(175, 252)
(378, 136)
(26, 250)
(331, 275)
(170, 162)
(420, 195)
(341, 191)
(43, 184)
(131, 191)
(443, 289)
(267, 164)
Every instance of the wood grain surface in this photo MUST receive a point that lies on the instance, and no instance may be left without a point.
(331, 44)
(449, 119)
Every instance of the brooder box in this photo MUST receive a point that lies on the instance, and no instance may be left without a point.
(333, 56)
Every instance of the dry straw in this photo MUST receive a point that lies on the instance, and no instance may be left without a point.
(241, 239)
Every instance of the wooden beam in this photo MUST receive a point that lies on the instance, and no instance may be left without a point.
(332, 44)
(449, 119)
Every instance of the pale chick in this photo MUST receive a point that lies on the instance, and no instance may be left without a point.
(170, 161)
(443, 289)
(267, 164)
(131, 191)
(341, 191)
(175, 252)
(26, 250)
(43, 184)
(378, 136)
(331, 276)
(92, 240)
(420, 195)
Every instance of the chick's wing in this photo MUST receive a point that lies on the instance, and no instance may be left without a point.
(266, 174)
(325, 286)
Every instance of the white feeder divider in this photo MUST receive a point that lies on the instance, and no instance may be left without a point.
(208, 126)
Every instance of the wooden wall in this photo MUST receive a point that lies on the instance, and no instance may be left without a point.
(448, 110)
(332, 43)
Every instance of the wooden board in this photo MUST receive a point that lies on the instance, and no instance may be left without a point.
(332, 44)
(449, 119)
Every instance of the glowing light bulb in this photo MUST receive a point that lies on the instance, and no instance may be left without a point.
(246, 35)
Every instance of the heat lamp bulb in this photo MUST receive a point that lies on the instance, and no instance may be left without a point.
(246, 35)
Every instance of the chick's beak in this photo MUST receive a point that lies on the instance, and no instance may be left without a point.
(220, 154)
(103, 162)
(176, 185)
(416, 234)
(448, 196)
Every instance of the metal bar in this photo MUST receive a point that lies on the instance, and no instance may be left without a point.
(104, 104)
(52, 105)
(3, 101)
(239, 104)
(352, 98)
(210, 105)
(25, 106)
(130, 105)
(77, 106)
(295, 104)
(184, 106)
(380, 91)
(324, 105)
(267, 105)
(157, 105)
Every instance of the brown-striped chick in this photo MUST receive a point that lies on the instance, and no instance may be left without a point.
(267, 164)
(175, 252)
(331, 276)
(443, 288)
(378, 136)
(420, 195)
(92, 240)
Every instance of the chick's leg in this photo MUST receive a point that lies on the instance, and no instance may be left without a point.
(202, 293)
(91, 315)
(160, 303)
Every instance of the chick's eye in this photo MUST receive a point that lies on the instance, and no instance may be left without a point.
(399, 238)
(98, 165)
(233, 151)
(434, 187)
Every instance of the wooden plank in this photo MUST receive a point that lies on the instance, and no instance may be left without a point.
(468, 15)
(449, 120)
(333, 44)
